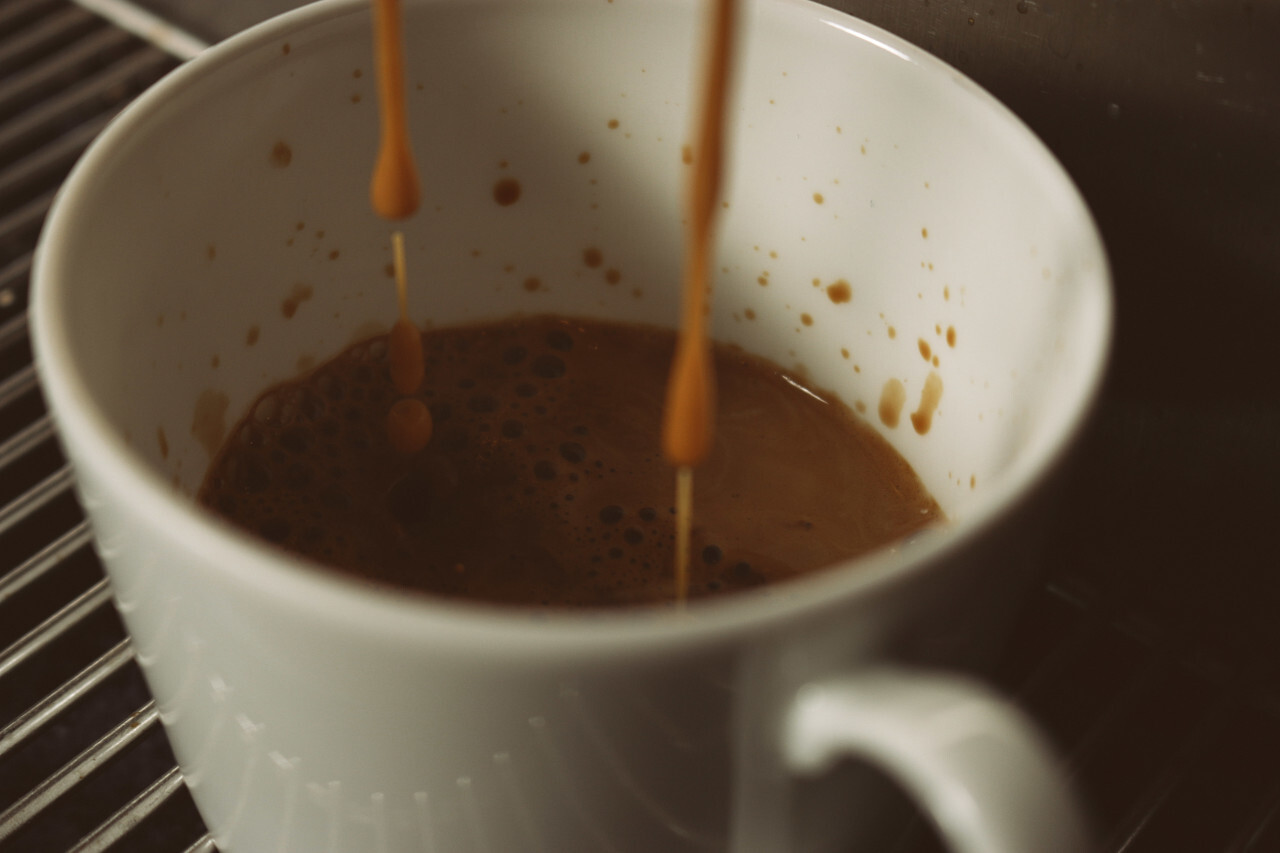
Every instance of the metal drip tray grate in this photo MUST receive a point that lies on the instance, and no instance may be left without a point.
(1172, 751)
(82, 761)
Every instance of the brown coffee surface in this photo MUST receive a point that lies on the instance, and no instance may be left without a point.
(544, 482)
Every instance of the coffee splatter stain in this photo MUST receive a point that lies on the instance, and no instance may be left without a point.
(251, 337)
(355, 97)
(840, 292)
(211, 251)
(300, 294)
(281, 155)
(946, 293)
(357, 73)
(613, 124)
(926, 352)
(860, 407)
(892, 398)
(922, 418)
(215, 361)
(893, 333)
(951, 336)
(936, 363)
(389, 270)
(686, 154)
(209, 420)
(612, 276)
(506, 192)
(924, 232)
(163, 441)
(844, 352)
(592, 257)
(584, 158)
(333, 256)
(806, 319)
(749, 314)
(533, 285)
(285, 48)
(818, 199)
(973, 481)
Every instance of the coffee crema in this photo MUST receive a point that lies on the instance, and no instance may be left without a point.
(545, 485)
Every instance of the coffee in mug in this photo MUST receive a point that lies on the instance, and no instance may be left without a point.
(544, 484)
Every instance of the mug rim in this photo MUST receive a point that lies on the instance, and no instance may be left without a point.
(400, 615)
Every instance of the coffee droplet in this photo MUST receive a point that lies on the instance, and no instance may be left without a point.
(404, 352)
(409, 425)
(209, 420)
(922, 418)
(506, 192)
(892, 398)
(839, 292)
(689, 418)
(300, 294)
(281, 155)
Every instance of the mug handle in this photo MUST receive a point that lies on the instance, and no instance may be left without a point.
(974, 762)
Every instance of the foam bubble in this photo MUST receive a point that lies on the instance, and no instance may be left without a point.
(549, 366)
(573, 452)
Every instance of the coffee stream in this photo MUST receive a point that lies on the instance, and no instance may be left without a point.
(688, 425)
(395, 194)
(394, 190)
(522, 469)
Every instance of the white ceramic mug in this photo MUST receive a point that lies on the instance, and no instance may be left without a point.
(310, 712)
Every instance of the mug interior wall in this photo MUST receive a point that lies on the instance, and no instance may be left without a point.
(240, 247)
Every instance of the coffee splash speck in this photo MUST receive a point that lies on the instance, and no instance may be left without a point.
(209, 420)
(892, 398)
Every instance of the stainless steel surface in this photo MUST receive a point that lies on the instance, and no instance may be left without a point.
(74, 755)
(1152, 656)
